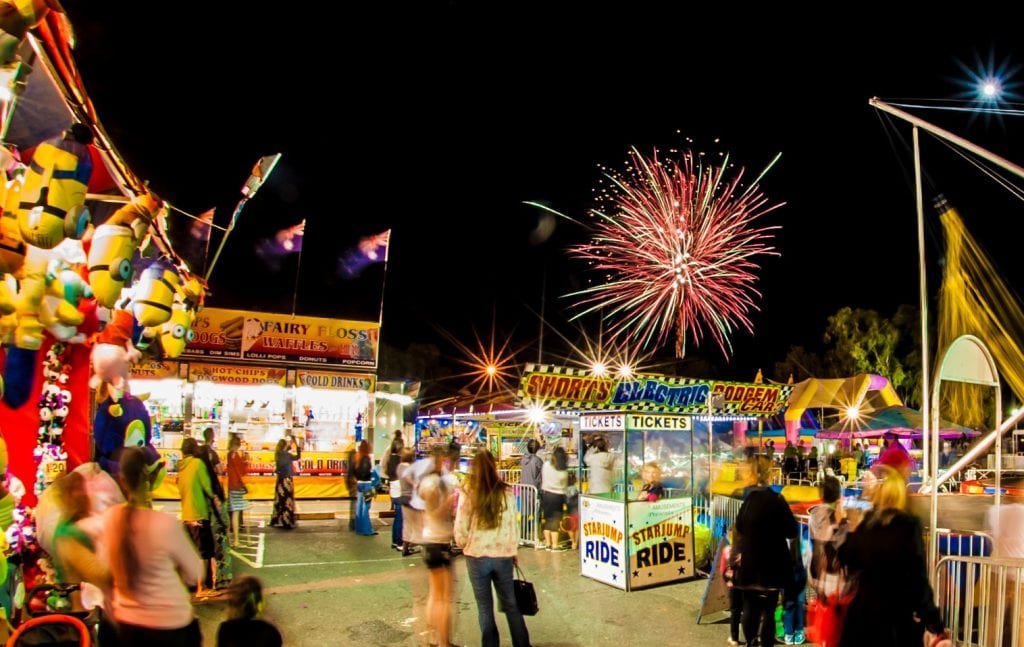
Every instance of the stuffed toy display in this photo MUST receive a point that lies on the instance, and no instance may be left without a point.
(52, 203)
(153, 294)
(16, 18)
(113, 244)
(120, 424)
(113, 354)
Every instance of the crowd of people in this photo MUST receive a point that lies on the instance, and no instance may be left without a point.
(866, 557)
(139, 570)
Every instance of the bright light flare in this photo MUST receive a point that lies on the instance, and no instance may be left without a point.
(852, 412)
(991, 89)
(536, 415)
(625, 371)
(599, 369)
(492, 367)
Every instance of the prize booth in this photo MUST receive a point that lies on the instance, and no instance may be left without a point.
(649, 419)
(239, 387)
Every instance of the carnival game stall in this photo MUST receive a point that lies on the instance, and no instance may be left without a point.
(645, 419)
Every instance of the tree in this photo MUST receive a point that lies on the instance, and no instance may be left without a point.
(801, 364)
(862, 341)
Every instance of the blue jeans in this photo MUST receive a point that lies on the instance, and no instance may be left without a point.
(363, 525)
(499, 570)
(396, 525)
(793, 612)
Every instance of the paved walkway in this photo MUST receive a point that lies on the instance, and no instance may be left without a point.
(327, 586)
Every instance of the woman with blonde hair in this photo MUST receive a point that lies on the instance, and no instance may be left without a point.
(152, 561)
(884, 557)
(486, 531)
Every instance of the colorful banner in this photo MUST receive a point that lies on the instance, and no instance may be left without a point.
(154, 370)
(283, 339)
(660, 541)
(336, 381)
(603, 540)
(568, 388)
(225, 374)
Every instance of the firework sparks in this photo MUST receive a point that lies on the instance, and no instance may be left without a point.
(676, 242)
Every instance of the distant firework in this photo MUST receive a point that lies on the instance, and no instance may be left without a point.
(675, 242)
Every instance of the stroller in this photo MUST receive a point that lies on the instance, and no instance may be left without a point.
(51, 621)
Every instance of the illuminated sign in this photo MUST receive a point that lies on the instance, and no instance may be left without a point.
(646, 422)
(603, 422)
(336, 381)
(283, 339)
(576, 389)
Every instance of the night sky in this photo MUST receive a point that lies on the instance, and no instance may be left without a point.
(440, 121)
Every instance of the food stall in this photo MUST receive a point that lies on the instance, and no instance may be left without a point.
(633, 544)
(263, 376)
(163, 387)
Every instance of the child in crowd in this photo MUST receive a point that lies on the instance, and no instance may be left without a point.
(652, 489)
(243, 627)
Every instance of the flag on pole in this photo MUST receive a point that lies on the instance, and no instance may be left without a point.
(370, 250)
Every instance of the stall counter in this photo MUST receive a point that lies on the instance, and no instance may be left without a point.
(318, 475)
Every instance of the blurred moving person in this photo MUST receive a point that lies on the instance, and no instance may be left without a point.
(893, 602)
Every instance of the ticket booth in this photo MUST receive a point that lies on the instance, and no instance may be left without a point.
(630, 543)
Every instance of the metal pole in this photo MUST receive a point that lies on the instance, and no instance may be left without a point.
(929, 455)
(224, 238)
(948, 136)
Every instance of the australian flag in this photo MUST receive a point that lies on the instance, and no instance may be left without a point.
(370, 250)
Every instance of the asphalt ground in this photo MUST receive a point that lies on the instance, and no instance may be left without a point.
(327, 586)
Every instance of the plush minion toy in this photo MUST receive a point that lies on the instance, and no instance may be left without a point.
(16, 18)
(110, 262)
(172, 336)
(52, 203)
(153, 294)
(12, 247)
(113, 244)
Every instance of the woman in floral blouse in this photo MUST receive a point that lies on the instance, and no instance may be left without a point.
(485, 530)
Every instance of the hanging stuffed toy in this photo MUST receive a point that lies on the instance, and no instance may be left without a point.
(113, 244)
(125, 423)
(53, 198)
(153, 294)
(12, 247)
(16, 18)
(113, 354)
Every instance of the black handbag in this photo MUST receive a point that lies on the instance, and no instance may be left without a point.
(526, 597)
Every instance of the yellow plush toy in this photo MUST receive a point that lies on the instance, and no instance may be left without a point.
(177, 332)
(53, 198)
(114, 242)
(16, 18)
(12, 247)
(34, 312)
(153, 294)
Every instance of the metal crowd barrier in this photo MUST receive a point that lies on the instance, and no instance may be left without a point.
(511, 475)
(980, 600)
(528, 504)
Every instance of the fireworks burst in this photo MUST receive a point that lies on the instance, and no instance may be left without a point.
(675, 244)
